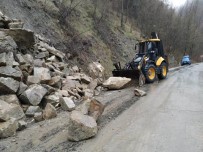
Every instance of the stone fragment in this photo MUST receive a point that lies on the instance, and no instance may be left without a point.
(8, 85)
(139, 93)
(32, 110)
(3, 59)
(11, 110)
(8, 128)
(11, 98)
(96, 70)
(33, 95)
(20, 59)
(49, 112)
(8, 71)
(33, 80)
(22, 125)
(43, 74)
(38, 117)
(67, 104)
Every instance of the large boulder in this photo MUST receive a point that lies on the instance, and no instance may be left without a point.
(8, 128)
(8, 71)
(49, 112)
(33, 95)
(81, 127)
(8, 85)
(11, 110)
(96, 70)
(23, 38)
(116, 83)
(42, 73)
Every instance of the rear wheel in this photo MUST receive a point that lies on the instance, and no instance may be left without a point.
(150, 73)
(164, 71)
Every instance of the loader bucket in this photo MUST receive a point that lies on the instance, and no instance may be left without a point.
(133, 74)
(136, 75)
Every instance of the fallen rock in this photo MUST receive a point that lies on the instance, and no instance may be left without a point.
(33, 95)
(16, 25)
(8, 128)
(3, 59)
(32, 110)
(39, 63)
(85, 79)
(12, 98)
(75, 69)
(53, 99)
(139, 93)
(21, 88)
(42, 73)
(52, 50)
(10, 61)
(38, 117)
(56, 82)
(96, 70)
(3, 117)
(88, 93)
(8, 85)
(52, 59)
(12, 110)
(70, 84)
(7, 43)
(93, 84)
(84, 107)
(23, 38)
(49, 112)
(33, 80)
(96, 109)
(8, 71)
(67, 104)
(20, 59)
(22, 125)
(116, 83)
(28, 58)
(81, 127)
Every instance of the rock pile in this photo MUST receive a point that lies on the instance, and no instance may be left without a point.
(35, 82)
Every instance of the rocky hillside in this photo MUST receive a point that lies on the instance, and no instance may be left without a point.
(71, 27)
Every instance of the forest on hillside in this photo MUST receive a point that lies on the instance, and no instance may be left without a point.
(180, 29)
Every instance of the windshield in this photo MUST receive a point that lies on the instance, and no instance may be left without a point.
(186, 58)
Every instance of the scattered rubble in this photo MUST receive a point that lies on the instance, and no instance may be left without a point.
(36, 84)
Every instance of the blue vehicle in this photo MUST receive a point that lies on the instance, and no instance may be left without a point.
(185, 60)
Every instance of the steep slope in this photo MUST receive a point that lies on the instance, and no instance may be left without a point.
(73, 29)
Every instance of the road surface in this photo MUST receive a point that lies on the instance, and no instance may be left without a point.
(168, 119)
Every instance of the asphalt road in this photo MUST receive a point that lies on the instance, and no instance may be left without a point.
(168, 119)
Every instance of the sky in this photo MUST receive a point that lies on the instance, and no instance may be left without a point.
(177, 3)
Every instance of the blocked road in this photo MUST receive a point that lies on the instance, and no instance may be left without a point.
(168, 119)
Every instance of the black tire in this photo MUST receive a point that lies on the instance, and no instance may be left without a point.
(150, 76)
(163, 71)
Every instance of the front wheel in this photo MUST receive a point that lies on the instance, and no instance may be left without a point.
(150, 73)
(164, 71)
